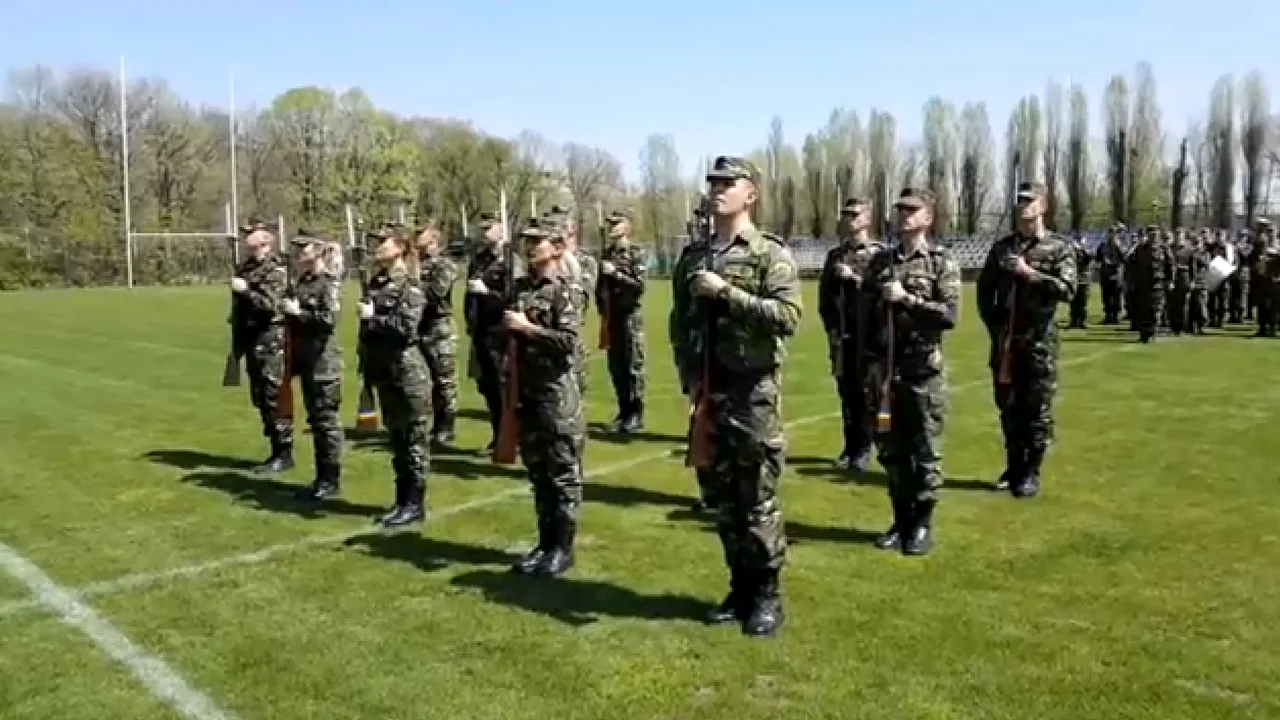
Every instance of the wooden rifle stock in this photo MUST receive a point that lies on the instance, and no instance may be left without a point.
(508, 440)
(701, 450)
(284, 400)
(1004, 370)
(367, 406)
(602, 340)
(884, 414)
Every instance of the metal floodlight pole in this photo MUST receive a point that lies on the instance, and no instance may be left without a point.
(284, 248)
(124, 165)
(235, 190)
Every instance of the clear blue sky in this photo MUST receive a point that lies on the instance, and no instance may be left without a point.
(710, 73)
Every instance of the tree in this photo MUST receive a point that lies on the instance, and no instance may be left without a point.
(1117, 138)
(941, 150)
(977, 166)
(1052, 149)
(1146, 143)
(882, 159)
(1079, 178)
(1255, 126)
(660, 188)
(1220, 145)
(588, 173)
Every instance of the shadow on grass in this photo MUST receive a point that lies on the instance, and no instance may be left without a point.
(600, 432)
(265, 493)
(1125, 337)
(196, 459)
(579, 602)
(425, 553)
(631, 496)
(798, 533)
(466, 469)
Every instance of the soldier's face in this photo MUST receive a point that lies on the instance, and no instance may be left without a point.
(914, 219)
(429, 242)
(540, 253)
(1030, 207)
(308, 254)
(388, 251)
(856, 221)
(732, 197)
(619, 229)
(258, 242)
(494, 233)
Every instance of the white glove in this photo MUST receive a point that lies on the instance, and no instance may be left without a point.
(478, 286)
(366, 310)
(238, 285)
(607, 267)
(291, 307)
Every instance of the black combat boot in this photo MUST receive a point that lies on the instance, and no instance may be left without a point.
(1030, 480)
(892, 538)
(766, 606)
(537, 557)
(919, 540)
(328, 483)
(736, 606)
(560, 559)
(413, 507)
(634, 422)
(1014, 461)
(444, 434)
(281, 457)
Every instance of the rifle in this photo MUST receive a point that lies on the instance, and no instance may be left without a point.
(231, 371)
(284, 401)
(884, 414)
(1004, 370)
(367, 408)
(504, 450)
(701, 451)
(602, 342)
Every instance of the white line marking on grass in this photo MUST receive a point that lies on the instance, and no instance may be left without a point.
(143, 580)
(161, 679)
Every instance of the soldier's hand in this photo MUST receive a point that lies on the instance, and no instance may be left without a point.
(845, 272)
(708, 284)
(516, 321)
(478, 286)
(1022, 269)
(607, 268)
(365, 309)
(238, 285)
(894, 292)
(291, 307)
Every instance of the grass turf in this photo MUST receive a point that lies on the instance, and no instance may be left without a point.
(1137, 586)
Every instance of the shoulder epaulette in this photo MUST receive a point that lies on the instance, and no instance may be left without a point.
(771, 236)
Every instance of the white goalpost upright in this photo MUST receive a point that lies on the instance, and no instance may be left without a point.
(231, 213)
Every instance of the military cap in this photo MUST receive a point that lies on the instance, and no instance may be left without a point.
(253, 225)
(855, 206)
(1153, 228)
(538, 230)
(733, 168)
(488, 220)
(912, 197)
(303, 239)
(618, 216)
(1262, 223)
(1032, 190)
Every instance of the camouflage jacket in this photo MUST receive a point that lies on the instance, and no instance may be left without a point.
(1084, 263)
(861, 298)
(317, 351)
(752, 316)
(620, 293)
(437, 279)
(546, 356)
(1032, 303)
(390, 337)
(1110, 256)
(1200, 258)
(588, 277)
(484, 311)
(1185, 264)
(258, 308)
(1149, 265)
(914, 328)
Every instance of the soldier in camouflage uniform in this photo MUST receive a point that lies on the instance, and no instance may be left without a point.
(1197, 313)
(437, 336)
(484, 305)
(1080, 300)
(1150, 265)
(582, 271)
(399, 374)
(618, 294)
(317, 356)
(688, 263)
(1266, 277)
(545, 323)
(745, 287)
(258, 333)
(1238, 283)
(1025, 276)
(920, 286)
(848, 303)
(1110, 258)
(1184, 252)
(1216, 301)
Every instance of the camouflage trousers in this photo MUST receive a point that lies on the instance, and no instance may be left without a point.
(1177, 308)
(1146, 309)
(1111, 297)
(1026, 404)
(552, 440)
(488, 361)
(1217, 306)
(580, 357)
(264, 364)
(1237, 291)
(1267, 310)
(439, 346)
(858, 382)
(323, 399)
(911, 451)
(1080, 305)
(405, 400)
(626, 361)
(748, 455)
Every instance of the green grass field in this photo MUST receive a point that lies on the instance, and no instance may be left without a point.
(1141, 584)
